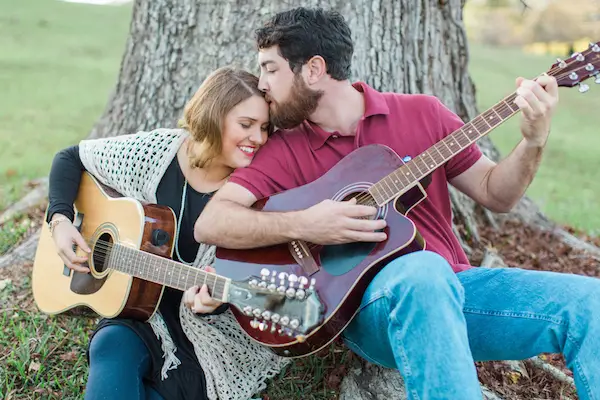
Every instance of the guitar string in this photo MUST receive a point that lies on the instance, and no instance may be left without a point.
(502, 107)
(104, 248)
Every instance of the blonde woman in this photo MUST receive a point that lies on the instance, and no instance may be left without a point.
(224, 125)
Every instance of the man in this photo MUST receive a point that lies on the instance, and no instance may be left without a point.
(429, 314)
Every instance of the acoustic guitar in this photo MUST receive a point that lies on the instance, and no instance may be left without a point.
(130, 264)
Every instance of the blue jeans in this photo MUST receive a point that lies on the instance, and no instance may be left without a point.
(119, 361)
(421, 318)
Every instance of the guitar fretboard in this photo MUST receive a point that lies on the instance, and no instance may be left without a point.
(164, 271)
(419, 167)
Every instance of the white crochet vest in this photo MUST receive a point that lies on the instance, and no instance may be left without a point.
(235, 366)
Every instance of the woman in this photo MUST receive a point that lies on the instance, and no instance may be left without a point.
(224, 124)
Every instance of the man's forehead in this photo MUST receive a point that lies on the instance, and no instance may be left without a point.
(269, 56)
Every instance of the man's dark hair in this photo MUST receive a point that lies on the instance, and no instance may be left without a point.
(302, 33)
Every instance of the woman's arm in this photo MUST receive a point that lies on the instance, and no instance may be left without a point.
(65, 176)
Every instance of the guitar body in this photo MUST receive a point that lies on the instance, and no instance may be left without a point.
(342, 272)
(110, 293)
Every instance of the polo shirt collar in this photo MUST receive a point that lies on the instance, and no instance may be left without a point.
(375, 104)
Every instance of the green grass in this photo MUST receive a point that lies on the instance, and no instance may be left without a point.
(58, 64)
(41, 356)
(566, 186)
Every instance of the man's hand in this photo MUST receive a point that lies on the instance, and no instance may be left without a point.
(199, 300)
(333, 222)
(537, 99)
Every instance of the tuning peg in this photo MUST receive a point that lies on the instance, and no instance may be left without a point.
(295, 323)
(597, 75)
(266, 315)
(595, 47)
(290, 293)
(589, 67)
(263, 326)
(573, 76)
(275, 318)
(561, 63)
(313, 282)
(300, 294)
(292, 279)
(254, 323)
(284, 321)
(248, 311)
(264, 273)
(583, 88)
(303, 281)
(578, 56)
(282, 277)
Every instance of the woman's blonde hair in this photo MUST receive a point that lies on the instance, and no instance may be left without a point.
(204, 115)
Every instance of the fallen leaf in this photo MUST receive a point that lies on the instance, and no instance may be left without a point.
(4, 283)
(34, 366)
(70, 356)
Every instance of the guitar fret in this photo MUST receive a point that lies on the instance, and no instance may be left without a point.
(435, 147)
(463, 145)
(403, 176)
(389, 187)
(471, 128)
(212, 292)
(481, 126)
(431, 162)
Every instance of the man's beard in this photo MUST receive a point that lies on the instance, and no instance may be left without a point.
(301, 103)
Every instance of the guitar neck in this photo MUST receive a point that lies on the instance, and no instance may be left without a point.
(166, 272)
(419, 167)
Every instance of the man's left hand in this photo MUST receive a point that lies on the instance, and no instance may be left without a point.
(537, 99)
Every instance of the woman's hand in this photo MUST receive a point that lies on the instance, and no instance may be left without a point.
(65, 235)
(199, 300)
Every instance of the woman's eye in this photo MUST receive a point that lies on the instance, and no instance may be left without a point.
(245, 126)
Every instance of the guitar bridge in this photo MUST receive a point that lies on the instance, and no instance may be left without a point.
(301, 253)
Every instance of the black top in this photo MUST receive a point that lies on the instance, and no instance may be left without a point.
(187, 381)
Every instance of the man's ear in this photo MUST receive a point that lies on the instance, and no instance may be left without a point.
(316, 69)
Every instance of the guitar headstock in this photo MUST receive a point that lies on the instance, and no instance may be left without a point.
(283, 304)
(578, 68)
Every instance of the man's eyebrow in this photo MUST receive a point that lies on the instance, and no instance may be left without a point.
(265, 63)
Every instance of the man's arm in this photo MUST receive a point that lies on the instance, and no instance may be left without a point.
(500, 186)
(228, 221)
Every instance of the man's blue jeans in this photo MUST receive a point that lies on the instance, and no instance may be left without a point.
(421, 318)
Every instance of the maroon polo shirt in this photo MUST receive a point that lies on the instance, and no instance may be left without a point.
(409, 124)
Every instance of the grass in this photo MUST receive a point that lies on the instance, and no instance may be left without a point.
(565, 187)
(59, 62)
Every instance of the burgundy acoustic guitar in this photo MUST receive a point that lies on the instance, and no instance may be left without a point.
(334, 278)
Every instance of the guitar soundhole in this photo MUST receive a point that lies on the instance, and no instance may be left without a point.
(363, 198)
(102, 251)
